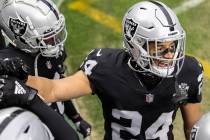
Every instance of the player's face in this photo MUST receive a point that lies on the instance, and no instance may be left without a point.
(50, 41)
(163, 50)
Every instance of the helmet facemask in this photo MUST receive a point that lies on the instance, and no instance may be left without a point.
(162, 57)
(51, 42)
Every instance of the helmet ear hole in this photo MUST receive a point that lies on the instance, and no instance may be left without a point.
(26, 130)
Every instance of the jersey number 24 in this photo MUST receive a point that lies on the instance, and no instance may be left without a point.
(134, 128)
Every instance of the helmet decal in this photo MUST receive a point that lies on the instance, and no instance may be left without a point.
(130, 28)
(194, 132)
(17, 27)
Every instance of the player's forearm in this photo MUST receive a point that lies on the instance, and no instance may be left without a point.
(191, 113)
(61, 89)
(44, 87)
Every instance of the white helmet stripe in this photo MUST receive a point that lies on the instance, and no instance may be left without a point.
(8, 119)
(51, 8)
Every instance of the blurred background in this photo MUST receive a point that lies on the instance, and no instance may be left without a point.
(97, 23)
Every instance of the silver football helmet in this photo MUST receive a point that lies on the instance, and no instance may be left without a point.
(153, 22)
(33, 26)
(201, 129)
(19, 124)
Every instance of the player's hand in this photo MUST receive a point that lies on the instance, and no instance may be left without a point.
(82, 126)
(15, 67)
(14, 92)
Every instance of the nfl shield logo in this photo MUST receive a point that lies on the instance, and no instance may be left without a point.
(17, 27)
(149, 98)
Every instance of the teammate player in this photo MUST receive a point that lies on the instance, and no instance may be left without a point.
(140, 87)
(44, 54)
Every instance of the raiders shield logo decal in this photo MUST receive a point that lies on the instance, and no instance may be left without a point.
(17, 27)
(130, 28)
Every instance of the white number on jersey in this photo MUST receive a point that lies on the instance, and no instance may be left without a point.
(89, 65)
(153, 132)
(200, 78)
(134, 128)
(163, 122)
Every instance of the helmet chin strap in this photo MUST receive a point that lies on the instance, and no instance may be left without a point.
(52, 52)
(158, 71)
(135, 67)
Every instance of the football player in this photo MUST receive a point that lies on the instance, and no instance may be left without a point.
(140, 87)
(38, 37)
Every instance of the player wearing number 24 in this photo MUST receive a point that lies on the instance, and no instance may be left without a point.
(142, 86)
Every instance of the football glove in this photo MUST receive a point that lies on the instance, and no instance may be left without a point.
(82, 126)
(15, 67)
(14, 92)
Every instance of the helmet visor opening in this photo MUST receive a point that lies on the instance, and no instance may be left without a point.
(55, 38)
(165, 53)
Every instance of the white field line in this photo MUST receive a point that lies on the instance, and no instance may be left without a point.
(187, 5)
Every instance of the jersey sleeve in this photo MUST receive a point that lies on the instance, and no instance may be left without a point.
(195, 89)
(102, 66)
(89, 66)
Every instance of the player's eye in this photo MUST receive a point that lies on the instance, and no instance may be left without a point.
(161, 50)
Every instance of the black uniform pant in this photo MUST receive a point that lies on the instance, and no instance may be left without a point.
(60, 129)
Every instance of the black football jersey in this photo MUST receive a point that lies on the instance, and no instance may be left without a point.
(49, 67)
(130, 110)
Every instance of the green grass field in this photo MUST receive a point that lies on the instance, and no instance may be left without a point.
(86, 33)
